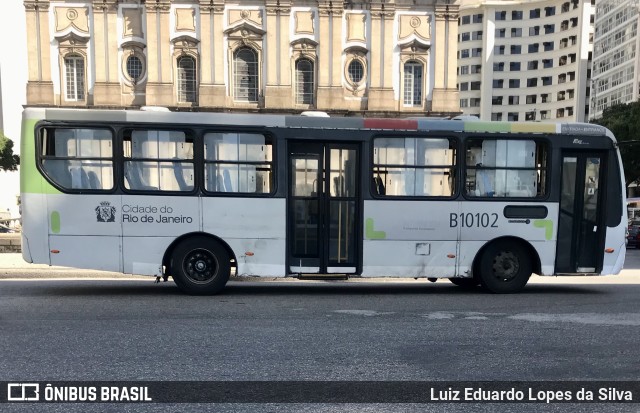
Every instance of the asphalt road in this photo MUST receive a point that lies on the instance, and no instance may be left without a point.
(132, 329)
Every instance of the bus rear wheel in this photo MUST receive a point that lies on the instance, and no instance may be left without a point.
(505, 267)
(465, 282)
(200, 266)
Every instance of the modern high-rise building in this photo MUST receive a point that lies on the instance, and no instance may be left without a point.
(391, 58)
(616, 62)
(525, 60)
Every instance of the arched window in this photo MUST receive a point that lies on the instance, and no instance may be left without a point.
(305, 81)
(413, 83)
(186, 79)
(74, 77)
(245, 82)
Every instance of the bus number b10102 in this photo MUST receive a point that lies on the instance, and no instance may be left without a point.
(470, 220)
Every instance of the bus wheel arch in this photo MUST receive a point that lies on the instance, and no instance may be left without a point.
(200, 263)
(518, 258)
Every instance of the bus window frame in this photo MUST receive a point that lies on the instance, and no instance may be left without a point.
(163, 128)
(454, 142)
(549, 147)
(269, 135)
(39, 154)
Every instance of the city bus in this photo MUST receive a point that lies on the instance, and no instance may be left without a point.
(200, 196)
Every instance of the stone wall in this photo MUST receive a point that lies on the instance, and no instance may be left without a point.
(10, 243)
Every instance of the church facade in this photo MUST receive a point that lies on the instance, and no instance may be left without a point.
(382, 58)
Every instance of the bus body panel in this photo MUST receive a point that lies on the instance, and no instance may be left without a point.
(159, 216)
(143, 255)
(96, 252)
(394, 258)
(35, 228)
(85, 233)
(409, 237)
(484, 221)
(255, 229)
(259, 256)
(613, 262)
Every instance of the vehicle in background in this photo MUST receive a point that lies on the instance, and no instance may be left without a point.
(633, 232)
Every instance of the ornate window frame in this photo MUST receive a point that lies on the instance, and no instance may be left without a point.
(359, 54)
(72, 45)
(414, 51)
(240, 36)
(185, 46)
(133, 49)
(304, 48)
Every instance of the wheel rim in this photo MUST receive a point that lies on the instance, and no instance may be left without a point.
(200, 266)
(506, 266)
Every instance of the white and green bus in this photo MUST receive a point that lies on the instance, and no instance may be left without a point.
(197, 196)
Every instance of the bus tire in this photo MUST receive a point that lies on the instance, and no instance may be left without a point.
(505, 267)
(200, 266)
(465, 282)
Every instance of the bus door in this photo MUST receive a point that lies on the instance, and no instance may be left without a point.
(581, 228)
(323, 208)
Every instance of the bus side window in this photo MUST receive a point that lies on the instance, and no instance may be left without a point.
(78, 158)
(59, 171)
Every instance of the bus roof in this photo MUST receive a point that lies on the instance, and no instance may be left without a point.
(297, 121)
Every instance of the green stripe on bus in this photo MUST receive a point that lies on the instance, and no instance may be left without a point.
(547, 224)
(371, 233)
(55, 222)
(30, 179)
(487, 127)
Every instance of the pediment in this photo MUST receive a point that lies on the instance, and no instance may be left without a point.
(244, 29)
(185, 41)
(415, 44)
(133, 45)
(304, 43)
(357, 50)
(72, 39)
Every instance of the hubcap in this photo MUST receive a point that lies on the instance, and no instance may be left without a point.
(200, 266)
(506, 266)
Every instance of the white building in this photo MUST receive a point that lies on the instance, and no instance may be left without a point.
(525, 60)
(616, 61)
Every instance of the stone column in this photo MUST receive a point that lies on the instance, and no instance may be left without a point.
(160, 81)
(330, 90)
(381, 89)
(212, 82)
(39, 84)
(278, 93)
(445, 94)
(106, 90)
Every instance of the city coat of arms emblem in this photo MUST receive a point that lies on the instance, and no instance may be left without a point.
(105, 212)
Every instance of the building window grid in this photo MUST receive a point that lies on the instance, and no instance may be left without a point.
(413, 84)
(74, 76)
(305, 81)
(186, 79)
(134, 67)
(245, 75)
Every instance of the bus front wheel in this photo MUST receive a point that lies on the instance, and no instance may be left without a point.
(200, 266)
(505, 267)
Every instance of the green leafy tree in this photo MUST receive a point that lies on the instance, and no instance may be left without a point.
(8, 161)
(624, 121)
